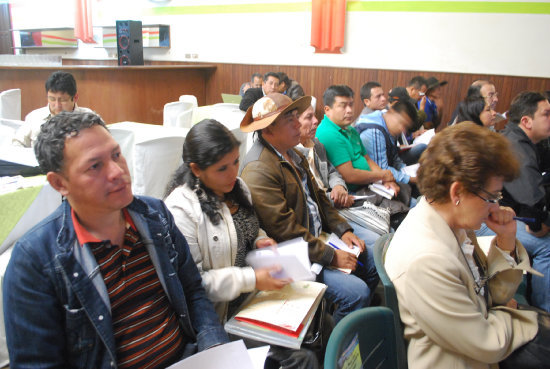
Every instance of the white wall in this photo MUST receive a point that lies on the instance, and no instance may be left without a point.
(507, 44)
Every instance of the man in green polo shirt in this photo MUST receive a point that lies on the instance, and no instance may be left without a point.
(343, 144)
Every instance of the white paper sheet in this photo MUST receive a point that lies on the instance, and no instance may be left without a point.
(232, 355)
(291, 256)
(411, 170)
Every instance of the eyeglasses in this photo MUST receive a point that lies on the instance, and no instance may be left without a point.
(493, 198)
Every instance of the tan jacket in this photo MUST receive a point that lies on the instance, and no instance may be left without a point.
(280, 200)
(447, 324)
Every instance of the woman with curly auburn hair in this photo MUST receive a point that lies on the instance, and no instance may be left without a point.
(456, 304)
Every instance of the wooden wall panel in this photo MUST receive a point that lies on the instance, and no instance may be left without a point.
(227, 78)
(315, 80)
(118, 94)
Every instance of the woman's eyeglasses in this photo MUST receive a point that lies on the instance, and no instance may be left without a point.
(491, 197)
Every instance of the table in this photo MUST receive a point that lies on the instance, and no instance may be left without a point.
(22, 209)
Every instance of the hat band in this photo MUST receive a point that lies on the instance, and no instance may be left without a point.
(259, 117)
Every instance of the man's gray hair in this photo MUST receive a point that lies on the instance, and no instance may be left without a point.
(51, 139)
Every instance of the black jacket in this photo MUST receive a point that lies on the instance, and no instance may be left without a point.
(526, 194)
(250, 97)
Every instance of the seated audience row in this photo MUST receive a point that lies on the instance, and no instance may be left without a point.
(109, 243)
(272, 82)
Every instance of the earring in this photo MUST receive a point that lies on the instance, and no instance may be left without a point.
(457, 202)
(198, 190)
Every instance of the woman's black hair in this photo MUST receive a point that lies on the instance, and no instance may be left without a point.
(471, 107)
(207, 143)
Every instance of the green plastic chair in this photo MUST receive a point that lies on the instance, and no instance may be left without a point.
(390, 297)
(375, 330)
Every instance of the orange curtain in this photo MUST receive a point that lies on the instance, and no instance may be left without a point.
(328, 21)
(83, 29)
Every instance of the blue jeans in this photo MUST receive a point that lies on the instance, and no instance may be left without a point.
(351, 292)
(363, 233)
(539, 252)
(412, 155)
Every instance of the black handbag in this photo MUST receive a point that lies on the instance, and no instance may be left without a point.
(314, 344)
(535, 354)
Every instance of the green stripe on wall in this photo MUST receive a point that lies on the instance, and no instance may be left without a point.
(449, 7)
(365, 6)
(232, 8)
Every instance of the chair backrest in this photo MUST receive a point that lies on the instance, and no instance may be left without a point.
(155, 161)
(10, 104)
(172, 110)
(190, 99)
(374, 328)
(8, 128)
(390, 296)
(184, 119)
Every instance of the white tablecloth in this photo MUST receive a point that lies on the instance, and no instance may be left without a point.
(230, 116)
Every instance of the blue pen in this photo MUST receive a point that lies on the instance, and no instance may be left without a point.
(525, 219)
(337, 248)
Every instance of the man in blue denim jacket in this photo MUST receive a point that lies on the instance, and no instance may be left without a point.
(73, 296)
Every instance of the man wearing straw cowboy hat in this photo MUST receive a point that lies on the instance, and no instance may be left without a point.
(289, 203)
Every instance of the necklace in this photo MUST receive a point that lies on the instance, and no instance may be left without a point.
(480, 287)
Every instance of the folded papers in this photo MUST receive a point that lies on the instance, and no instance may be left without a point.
(279, 317)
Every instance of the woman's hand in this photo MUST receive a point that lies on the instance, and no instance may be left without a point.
(266, 282)
(265, 242)
(501, 221)
(512, 303)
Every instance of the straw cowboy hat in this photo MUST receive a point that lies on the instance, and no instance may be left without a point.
(268, 108)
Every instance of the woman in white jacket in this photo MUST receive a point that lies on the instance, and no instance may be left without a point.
(213, 210)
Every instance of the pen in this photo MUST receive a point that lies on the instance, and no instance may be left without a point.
(525, 219)
(337, 248)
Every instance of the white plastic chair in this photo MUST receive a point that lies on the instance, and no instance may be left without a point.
(184, 119)
(172, 110)
(155, 162)
(8, 128)
(190, 99)
(10, 104)
(125, 138)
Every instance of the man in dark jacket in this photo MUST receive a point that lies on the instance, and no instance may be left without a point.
(270, 84)
(530, 124)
